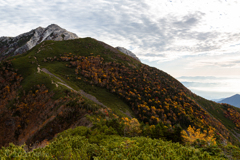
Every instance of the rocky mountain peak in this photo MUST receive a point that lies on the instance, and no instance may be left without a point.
(39, 28)
(53, 26)
(127, 52)
(17, 45)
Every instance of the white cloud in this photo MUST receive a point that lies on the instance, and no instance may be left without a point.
(172, 28)
(205, 86)
(227, 60)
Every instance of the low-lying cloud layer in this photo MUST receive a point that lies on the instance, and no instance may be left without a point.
(211, 87)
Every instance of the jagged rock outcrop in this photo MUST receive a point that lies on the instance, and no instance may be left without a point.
(17, 45)
(127, 52)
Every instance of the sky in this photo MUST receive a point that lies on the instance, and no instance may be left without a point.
(195, 41)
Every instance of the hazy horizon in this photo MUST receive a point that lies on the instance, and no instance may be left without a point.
(212, 87)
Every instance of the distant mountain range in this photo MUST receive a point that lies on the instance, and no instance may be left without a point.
(233, 100)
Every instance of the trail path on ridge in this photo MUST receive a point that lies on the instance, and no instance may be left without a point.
(89, 96)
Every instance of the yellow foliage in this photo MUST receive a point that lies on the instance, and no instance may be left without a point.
(192, 134)
(132, 127)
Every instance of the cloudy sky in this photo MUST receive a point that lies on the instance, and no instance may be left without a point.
(196, 41)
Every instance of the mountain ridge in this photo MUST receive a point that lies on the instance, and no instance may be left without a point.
(233, 100)
(10, 46)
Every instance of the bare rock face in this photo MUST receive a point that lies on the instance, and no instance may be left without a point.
(17, 45)
(127, 52)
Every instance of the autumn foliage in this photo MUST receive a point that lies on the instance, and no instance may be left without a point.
(193, 135)
(132, 127)
(233, 114)
(24, 114)
(153, 95)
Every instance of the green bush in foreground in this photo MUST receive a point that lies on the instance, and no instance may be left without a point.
(104, 143)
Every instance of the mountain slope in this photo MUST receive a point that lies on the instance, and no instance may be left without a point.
(233, 100)
(23, 121)
(43, 106)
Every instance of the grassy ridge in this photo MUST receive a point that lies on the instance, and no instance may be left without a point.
(27, 66)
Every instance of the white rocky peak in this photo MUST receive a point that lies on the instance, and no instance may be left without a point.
(26, 41)
(127, 52)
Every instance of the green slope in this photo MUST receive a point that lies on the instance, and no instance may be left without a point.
(27, 66)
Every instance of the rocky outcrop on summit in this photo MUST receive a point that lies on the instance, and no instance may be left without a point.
(127, 52)
(17, 45)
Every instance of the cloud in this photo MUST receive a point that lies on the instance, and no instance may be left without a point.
(154, 31)
(227, 60)
(211, 95)
(152, 55)
(149, 29)
(126, 20)
(208, 79)
(199, 84)
(188, 21)
(212, 87)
